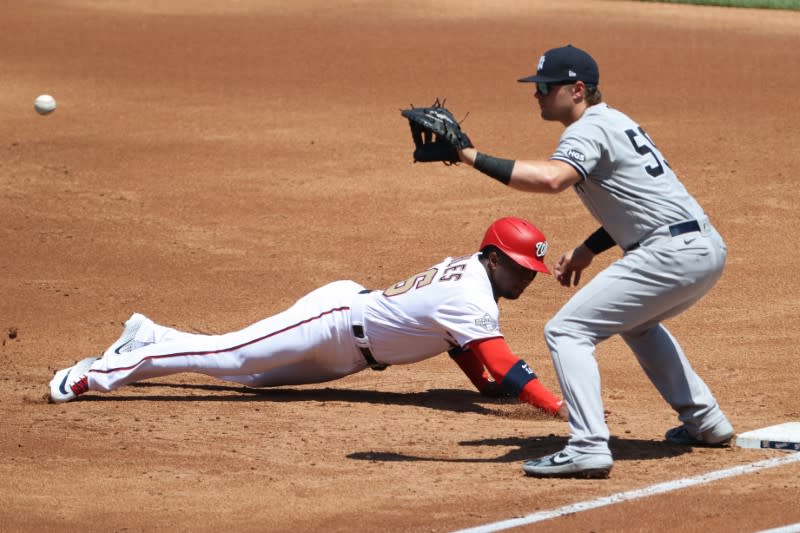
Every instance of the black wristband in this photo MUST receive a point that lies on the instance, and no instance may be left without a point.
(599, 241)
(494, 167)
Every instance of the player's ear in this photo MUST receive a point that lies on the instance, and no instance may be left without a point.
(579, 90)
(493, 259)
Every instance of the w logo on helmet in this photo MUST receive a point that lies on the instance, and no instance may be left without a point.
(541, 248)
(520, 240)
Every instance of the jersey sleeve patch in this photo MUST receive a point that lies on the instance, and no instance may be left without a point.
(574, 164)
(581, 146)
(487, 323)
(576, 156)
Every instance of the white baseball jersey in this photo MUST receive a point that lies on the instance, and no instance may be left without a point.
(627, 184)
(449, 304)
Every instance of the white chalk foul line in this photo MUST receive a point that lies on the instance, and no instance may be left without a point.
(633, 494)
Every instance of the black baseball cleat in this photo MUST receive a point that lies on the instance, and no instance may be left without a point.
(719, 436)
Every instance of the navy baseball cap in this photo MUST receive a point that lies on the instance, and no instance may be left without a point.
(565, 64)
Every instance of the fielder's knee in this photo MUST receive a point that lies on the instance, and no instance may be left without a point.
(553, 331)
(561, 333)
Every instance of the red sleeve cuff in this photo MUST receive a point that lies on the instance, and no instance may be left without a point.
(537, 394)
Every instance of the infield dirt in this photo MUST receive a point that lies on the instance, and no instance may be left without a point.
(210, 162)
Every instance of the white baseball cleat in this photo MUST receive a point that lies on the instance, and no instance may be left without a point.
(127, 341)
(71, 382)
(570, 464)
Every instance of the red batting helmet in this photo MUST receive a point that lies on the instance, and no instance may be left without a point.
(520, 240)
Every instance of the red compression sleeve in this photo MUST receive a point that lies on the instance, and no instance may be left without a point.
(502, 363)
(471, 366)
(495, 355)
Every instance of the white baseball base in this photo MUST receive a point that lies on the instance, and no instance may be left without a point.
(781, 437)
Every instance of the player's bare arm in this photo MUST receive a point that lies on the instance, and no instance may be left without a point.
(523, 175)
(438, 136)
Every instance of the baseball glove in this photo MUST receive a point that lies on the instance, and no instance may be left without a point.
(436, 134)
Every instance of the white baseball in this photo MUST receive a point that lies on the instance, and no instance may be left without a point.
(44, 104)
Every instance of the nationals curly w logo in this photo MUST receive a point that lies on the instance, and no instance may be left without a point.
(541, 248)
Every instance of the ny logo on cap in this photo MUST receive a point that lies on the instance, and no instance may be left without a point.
(541, 64)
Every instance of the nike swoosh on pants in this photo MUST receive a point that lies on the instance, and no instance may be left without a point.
(121, 346)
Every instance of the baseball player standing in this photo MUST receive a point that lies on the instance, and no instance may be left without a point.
(343, 328)
(672, 257)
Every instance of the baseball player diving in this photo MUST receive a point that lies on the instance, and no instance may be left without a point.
(672, 255)
(343, 328)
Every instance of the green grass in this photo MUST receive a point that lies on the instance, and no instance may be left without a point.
(765, 4)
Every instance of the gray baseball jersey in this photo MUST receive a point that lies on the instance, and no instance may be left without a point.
(631, 190)
(613, 154)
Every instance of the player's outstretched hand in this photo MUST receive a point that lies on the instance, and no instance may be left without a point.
(571, 264)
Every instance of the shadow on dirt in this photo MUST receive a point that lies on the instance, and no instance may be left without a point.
(524, 448)
(454, 400)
